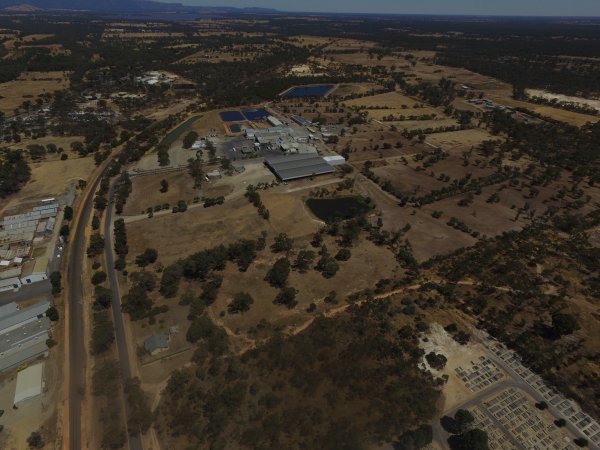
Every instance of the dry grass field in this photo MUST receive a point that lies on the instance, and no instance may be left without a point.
(179, 235)
(367, 265)
(390, 100)
(52, 178)
(28, 86)
(460, 140)
(345, 89)
(146, 191)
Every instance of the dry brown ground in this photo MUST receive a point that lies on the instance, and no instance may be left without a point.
(59, 141)
(31, 38)
(345, 89)
(51, 178)
(391, 100)
(28, 86)
(464, 139)
(493, 89)
(368, 264)
(179, 235)
(146, 191)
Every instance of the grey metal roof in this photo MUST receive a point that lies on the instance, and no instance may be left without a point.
(156, 342)
(24, 315)
(19, 336)
(19, 355)
(298, 166)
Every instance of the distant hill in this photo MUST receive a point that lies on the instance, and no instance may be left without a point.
(117, 6)
(22, 8)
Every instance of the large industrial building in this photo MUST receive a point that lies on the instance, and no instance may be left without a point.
(292, 167)
(23, 334)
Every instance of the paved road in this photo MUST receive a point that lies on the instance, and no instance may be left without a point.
(77, 354)
(135, 442)
(39, 289)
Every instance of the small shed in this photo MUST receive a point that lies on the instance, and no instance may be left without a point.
(29, 383)
(214, 175)
(157, 343)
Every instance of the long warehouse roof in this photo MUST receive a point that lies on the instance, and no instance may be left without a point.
(298, 166)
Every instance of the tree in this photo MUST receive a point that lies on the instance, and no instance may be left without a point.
(98, 278)
(580, 442)
(164, 186)
(64, 231)
(149, 256)
(52, 314)
(189, 139)
(103, 333)
(196, 172)
(35, 440)
(282, 243)
(286, 297)
(475, 439)
(55, 281)
(241, 303)
(95, 222)
(96, 245)
(103, 297)
(278, 275)
(327, 265)
(68, 213)
(163, 155)
(564, 324)
(304, 260)
(415, 439)
(343, 255)
(464, 419)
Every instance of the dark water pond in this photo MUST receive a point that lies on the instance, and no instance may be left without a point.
(329, 209)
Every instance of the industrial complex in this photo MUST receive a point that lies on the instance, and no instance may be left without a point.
(23, 334)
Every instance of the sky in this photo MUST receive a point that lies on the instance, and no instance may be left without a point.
(474, 7)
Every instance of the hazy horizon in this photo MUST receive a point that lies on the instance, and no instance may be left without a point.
(583, 8)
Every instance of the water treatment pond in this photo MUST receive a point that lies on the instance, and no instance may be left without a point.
(329, 209)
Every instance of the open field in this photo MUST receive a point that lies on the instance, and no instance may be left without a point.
(460, 140)
(28, 86)
(52, 178)
(179, 235)
(367, 265)
(146, 191)
(390, 100)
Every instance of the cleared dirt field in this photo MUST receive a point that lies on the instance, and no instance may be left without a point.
(52, 178)
(28, 86)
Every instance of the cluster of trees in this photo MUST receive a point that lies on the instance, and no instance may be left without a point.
(254, 198)
(137, 302)
(106, 382)
(464, 436)
(14, 172)
(147, 257)
(201, 264)
(196, 172)
(208, 401)
(120, 233)
(189, 139)
(123, 188)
